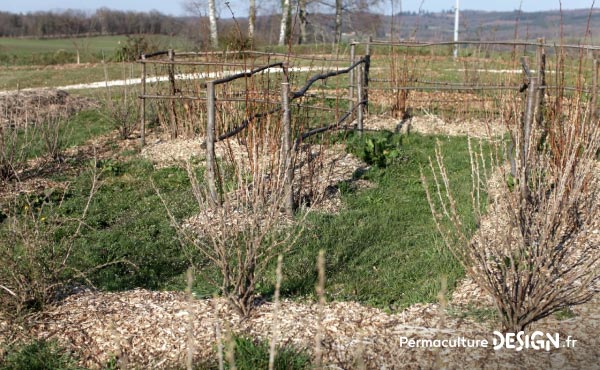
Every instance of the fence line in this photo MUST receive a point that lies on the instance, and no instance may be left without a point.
(359, 82)
(483, 43)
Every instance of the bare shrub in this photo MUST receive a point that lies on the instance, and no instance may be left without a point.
(36, 256)
(50, 128)
(401, 75)
(242, 234)
(536, 251)
(121, 105)
(16, 138)
(13, 151)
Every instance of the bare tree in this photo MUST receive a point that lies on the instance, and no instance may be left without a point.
(338, 21)
(303, 16)
(251, 20)
(212, 18)
(285, 18)
(198, 8)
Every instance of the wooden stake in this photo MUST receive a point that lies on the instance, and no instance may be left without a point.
(351, 73)
(595, 91)
(210, 144)
(143, 105)
(172, 89)
(360, 113)
(288, 169)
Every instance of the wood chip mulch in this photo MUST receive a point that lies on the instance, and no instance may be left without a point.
(147, 329)
(433, 125)
(25, 107)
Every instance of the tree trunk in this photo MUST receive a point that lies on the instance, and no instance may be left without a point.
(338, 21)
(212, 18)
(283, 31)
(303, 20)
(251, 21)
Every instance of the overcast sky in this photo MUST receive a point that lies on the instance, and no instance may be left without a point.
(239, 7)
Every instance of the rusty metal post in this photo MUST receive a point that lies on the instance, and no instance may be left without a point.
(210, 144)
(288, 169)
(143, 104)
(360, 112)
(351, 73)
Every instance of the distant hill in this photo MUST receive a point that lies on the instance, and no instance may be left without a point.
(480, 25)
(474, 25)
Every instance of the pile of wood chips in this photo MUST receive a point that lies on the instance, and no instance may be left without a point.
(145, 329)
(433, 125)
(28, 106)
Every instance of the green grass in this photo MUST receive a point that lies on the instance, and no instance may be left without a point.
(38, 355)
(57, 76)
(383, 249)
(250, 355)
(32, 45)
(33, 51)
(128, 221)
(74, 131)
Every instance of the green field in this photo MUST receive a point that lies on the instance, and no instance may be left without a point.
(32, 51)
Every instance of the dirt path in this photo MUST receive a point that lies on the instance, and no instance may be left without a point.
(154, 79)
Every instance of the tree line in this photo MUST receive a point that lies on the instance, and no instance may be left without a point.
(103, 21)
(295, 21)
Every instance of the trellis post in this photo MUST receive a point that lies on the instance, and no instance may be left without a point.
(541, 81)
(595, 91)
(143, 103)
(351, 73)
(172, 90)
(210, 144)
(287, 162)
(360, 91)
(528, 120)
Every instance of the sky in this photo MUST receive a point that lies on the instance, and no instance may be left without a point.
(239, 7)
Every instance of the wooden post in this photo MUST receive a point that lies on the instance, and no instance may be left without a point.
(359, 114)
(595, 91)
(528, 119)
(172, 71)
(143, 104)
(210, 144)
(366, 73)
(351, 73)
(172, 91)
(288, 167)
(541, 82)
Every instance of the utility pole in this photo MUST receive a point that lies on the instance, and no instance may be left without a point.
(456, 16)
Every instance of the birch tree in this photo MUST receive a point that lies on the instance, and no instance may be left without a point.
(212, 19)
(303, 17)
(338, 21)
(251, 20)
(285, 20)
(199, 8)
